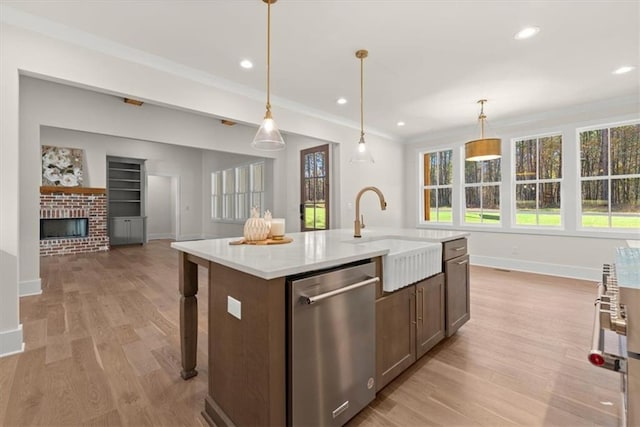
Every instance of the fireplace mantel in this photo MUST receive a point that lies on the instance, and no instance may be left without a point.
(71, 190)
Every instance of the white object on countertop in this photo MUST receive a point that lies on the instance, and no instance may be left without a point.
(255, 228)
(277, 227)
(267, 218)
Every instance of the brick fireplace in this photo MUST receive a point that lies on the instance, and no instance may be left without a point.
(84, 204)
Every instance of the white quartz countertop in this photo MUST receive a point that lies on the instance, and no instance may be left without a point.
(313, 250)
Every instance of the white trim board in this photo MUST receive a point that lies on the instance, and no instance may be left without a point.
(571, 271)
(190, 237)
(159, 236)
(30, 287)
(11, 342)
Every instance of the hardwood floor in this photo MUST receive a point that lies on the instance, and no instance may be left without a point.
(102, 348)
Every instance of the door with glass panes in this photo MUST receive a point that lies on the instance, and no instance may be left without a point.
(314, 185)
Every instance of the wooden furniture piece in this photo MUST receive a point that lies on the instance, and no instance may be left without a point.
(246, 358)
(409, 323)
(395, 334)
(126, 199)
(247, 348)
(456, 268)
(430, 313)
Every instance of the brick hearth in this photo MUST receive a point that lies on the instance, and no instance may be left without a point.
(75, 202)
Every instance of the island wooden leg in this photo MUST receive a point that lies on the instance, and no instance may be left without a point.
(188, 272)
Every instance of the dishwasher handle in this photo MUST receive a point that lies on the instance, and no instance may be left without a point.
(314, 299)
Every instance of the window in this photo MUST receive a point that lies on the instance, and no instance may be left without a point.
(257, 186)
(242, 192)
(538, 174)
(236, 190)
(482, 192)
(437, 186)
(216, 195)
(228, 194)
(610, 176)
(314, 186)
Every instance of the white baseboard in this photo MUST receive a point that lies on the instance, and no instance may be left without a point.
(189, 237)
(212, 236)
(11, 342)
(571, 271)
(158, 236)
(30, 287)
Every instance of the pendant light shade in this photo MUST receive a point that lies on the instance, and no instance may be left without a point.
(268, 137)
(361, 154)
(483, 148)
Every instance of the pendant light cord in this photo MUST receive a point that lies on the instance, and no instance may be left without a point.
(482, 118)
(268, 55)
(362, 97)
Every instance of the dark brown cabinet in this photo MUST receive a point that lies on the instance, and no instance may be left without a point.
(456, 268)
(430, 313)
(395, 334)
(412, 320)
(409, 322)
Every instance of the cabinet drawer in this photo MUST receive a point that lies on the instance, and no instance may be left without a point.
(454, 249)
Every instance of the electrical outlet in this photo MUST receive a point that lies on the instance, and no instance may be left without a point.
(234, 307)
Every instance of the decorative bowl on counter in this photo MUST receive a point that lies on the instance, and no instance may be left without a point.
(255, 228)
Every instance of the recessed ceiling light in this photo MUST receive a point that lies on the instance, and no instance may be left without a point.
(400, 123)
(342, 101)
(623, 70)
(526, 33)
(245, 63)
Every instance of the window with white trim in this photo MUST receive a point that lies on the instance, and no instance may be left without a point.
(216, 195)
(437, 186)
(242, 192)
(257, 186)
(610, 176)
(538, 176)
(235, 191)
(228, 194)
(482, 192)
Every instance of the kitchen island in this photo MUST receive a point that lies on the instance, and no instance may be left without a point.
(247, 349)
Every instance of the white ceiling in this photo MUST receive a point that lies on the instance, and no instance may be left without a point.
(429, 61)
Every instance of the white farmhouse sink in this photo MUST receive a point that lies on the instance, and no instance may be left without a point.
(407, 262)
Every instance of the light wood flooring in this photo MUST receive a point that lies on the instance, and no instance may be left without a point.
(102, 348)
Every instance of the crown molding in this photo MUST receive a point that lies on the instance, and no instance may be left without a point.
(92, 42)
(574, 113)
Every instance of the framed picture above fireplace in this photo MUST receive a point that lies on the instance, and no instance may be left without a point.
(62, 166)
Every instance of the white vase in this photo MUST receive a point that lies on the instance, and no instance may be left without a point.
(255, 229)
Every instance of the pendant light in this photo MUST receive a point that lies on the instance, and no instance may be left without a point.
(483, 148)
(361, 155)
(268, 137)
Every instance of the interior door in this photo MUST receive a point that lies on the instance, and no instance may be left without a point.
(314, 188)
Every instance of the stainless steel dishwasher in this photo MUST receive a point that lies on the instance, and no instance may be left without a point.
(331, 345)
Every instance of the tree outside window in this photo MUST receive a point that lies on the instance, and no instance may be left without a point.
(437, 186)
(482, 192)
(538, 175)
(610, 176)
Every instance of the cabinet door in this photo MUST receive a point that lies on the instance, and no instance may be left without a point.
(119, 231)
(458, 304)
(136, 230)
(430, 318)
(395, 334)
